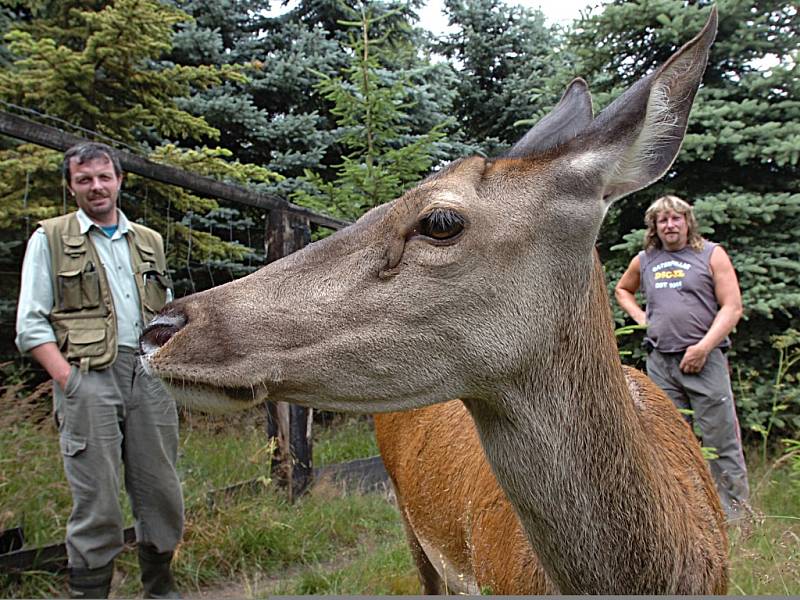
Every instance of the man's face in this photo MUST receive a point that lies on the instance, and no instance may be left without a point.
(672, 230)
(95, 186)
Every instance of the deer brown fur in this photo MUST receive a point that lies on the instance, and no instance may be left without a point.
(482, 284)
(464, 534)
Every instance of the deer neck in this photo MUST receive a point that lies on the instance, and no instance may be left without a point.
(567, 447)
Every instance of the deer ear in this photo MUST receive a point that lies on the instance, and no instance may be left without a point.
(637, 137)
(569, 117)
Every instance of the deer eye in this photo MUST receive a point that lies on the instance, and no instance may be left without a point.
(441, 225)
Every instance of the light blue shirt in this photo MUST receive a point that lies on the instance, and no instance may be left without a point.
(37, 297)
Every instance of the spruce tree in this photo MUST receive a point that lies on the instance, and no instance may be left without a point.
(271, 116)
(504, 58)
(381, 155)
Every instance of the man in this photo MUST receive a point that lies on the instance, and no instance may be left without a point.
(90, 280)
(693, 303)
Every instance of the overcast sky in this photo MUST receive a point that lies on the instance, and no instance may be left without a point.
(555, 11)
(431, 17)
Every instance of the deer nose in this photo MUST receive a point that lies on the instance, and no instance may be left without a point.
(161, 329)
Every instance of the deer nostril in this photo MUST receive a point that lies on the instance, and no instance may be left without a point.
(158, 335)
(161, 329)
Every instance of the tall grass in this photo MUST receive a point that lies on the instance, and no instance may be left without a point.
(766, 559)
(255, 543)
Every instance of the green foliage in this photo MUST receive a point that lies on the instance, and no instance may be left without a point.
(347, 439)
(792, 454)
(771, 401)
(505, 58)
(627, 330)
(386, 569)
(371, 113)
(40, 501)
(272, 117)
(105, 80)
(332, 543)
(766, 559)
(186, 242)
(28, 189)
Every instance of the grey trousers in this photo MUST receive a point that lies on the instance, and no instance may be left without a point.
(708, 394)
(106, 418)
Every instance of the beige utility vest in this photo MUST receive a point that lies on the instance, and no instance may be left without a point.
(83, 316)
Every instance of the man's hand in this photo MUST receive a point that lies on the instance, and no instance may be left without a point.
(50, 358)
(694, 359)
(62, 376)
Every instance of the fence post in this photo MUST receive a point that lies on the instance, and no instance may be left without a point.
(289, 425)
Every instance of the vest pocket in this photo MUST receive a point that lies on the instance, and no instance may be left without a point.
(90, 286)
(86, 342)
(78, 289)
(155, 281)
(70, 296)
(155, 285)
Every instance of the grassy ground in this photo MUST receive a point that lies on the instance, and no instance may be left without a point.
(767, 561)
(248, 541)
(256, 544)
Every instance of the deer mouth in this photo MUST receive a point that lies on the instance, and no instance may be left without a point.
(209, 398)
(185, 389)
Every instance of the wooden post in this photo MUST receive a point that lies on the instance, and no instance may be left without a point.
(289, 425)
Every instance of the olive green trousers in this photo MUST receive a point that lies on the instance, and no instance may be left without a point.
(109, 418)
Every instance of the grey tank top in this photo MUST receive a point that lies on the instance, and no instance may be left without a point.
(681, 304)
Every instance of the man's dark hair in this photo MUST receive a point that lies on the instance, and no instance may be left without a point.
(89, 151)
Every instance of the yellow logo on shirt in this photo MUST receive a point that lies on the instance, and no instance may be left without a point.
(670, 273)
(675, 274)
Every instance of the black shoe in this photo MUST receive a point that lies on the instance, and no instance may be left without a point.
(90, 583)
(157, 579)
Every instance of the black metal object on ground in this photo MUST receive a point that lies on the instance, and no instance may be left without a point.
(11, 539)
(360, 475)
(46, 558)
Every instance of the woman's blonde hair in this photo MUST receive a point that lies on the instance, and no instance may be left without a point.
(678, 205)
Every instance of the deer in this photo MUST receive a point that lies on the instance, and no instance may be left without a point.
(463, 533)
(482, 284)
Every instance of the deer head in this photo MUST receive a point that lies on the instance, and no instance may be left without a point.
(457, 289)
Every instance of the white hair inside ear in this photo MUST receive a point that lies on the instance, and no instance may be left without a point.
(659, 125)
